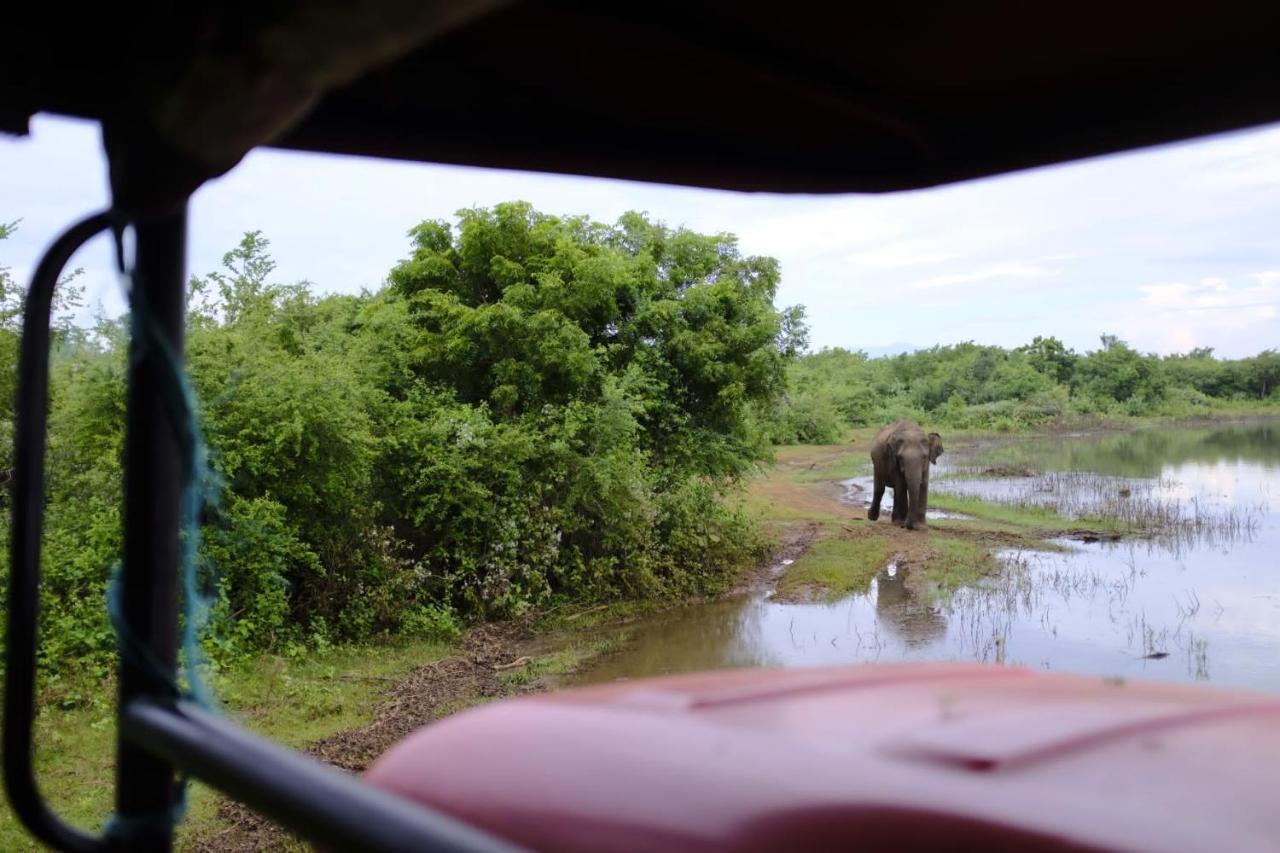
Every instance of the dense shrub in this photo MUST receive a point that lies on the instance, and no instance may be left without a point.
(533, 407)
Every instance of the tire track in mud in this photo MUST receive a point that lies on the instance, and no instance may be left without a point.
(469, 676)
(795, 541)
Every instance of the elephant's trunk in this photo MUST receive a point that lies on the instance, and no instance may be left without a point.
(917, 483)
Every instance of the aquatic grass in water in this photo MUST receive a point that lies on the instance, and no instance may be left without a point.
(1133, 505)
(1042, 590)
(956, 563)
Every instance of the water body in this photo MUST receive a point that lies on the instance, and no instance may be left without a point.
(1200, 603)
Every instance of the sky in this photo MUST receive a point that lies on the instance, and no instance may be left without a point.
(1170, 248)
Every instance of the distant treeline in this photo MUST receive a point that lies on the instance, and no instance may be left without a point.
(969, 386)
(533, 408)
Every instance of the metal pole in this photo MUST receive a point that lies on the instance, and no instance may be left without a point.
(31, 407)
(316, 802)
(145, 786)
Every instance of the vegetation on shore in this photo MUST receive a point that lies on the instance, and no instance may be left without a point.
(973, 387)
(292, 700)
(532, 409)
(328, 702)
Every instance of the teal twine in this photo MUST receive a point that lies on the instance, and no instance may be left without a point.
(198, 488)
(197, 485)
(120, 827)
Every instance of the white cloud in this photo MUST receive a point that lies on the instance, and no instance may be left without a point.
(1005, 270)
(1238, 318)
(1213, 294)
(1054, 251)
(1238, 161)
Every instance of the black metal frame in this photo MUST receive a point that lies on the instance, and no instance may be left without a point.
(28, 524)
(158, 734)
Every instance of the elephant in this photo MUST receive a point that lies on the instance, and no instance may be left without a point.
(901, 454)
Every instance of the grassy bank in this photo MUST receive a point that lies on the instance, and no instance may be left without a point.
(293, 701)
(298, 702)
(835, 566)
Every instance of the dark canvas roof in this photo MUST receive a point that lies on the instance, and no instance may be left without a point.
(796, 96)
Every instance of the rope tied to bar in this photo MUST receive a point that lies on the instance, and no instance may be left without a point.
(199, 488)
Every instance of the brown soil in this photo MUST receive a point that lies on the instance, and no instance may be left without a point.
(805, 593)
(428, 693)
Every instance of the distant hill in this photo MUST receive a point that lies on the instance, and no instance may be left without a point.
(889, 349)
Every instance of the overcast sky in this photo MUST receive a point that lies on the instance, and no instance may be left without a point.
(1169, 248)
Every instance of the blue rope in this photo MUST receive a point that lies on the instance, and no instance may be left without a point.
(120, 827)
(199, 488)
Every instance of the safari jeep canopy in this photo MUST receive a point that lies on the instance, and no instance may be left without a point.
(787, 97)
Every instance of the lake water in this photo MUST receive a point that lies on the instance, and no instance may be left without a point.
(1198, 603)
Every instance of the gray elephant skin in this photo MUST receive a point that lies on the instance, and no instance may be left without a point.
(901, 454)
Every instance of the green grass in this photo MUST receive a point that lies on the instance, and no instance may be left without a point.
(1014, 519)
(955, 562)
(836, 567)
(292, 701)
(811, 463)
(838, 467)
(564, 660)
(578, 618)
(765, 508)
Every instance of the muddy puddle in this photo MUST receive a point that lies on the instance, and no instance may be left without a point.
(1199, 603)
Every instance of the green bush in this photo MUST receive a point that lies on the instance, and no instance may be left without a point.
(807, 419)
(533, 408)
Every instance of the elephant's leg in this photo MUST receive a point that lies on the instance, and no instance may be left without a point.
(877, 495)
(900, 501)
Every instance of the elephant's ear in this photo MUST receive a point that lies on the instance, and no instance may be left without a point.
(935, 447)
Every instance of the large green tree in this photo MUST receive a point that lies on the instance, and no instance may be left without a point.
(521, 310)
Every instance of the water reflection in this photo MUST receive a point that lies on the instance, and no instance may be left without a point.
(1203, 502)
(907, 618)
(1199, 605)
(1142, 453)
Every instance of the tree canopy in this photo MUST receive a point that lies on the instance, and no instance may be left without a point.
(533, 407)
